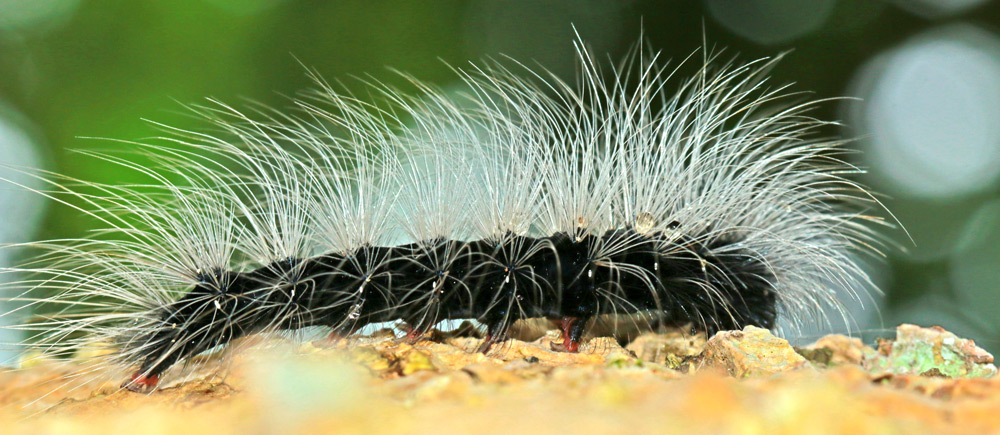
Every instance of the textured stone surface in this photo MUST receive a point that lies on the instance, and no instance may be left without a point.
(834, 350)
(751, 352)
(930, 352)
(383, 385)
(677, 349)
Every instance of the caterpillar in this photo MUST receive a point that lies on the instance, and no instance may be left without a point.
(712, 202)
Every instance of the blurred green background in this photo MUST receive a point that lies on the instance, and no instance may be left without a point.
(926, 72)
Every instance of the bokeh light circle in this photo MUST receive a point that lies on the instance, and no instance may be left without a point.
(930, 118)
(938, 8)
(770, 21)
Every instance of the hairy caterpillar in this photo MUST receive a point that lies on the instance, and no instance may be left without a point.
(529, 197)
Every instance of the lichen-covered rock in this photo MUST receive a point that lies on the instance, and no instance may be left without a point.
(751, 352)
(930, 352)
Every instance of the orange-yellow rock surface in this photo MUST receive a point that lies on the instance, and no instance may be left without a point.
(742, 382)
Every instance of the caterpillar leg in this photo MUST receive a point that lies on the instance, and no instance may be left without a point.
(140, 383)
(414, 335)
(496, 332)
(572, 332)
(488, 342)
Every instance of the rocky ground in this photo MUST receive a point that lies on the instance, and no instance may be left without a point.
(749, 381)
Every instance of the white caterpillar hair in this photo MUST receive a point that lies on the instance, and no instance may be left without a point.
(715, 206)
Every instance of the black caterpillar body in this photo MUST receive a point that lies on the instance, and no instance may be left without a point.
(716, 206)
(558, 281)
